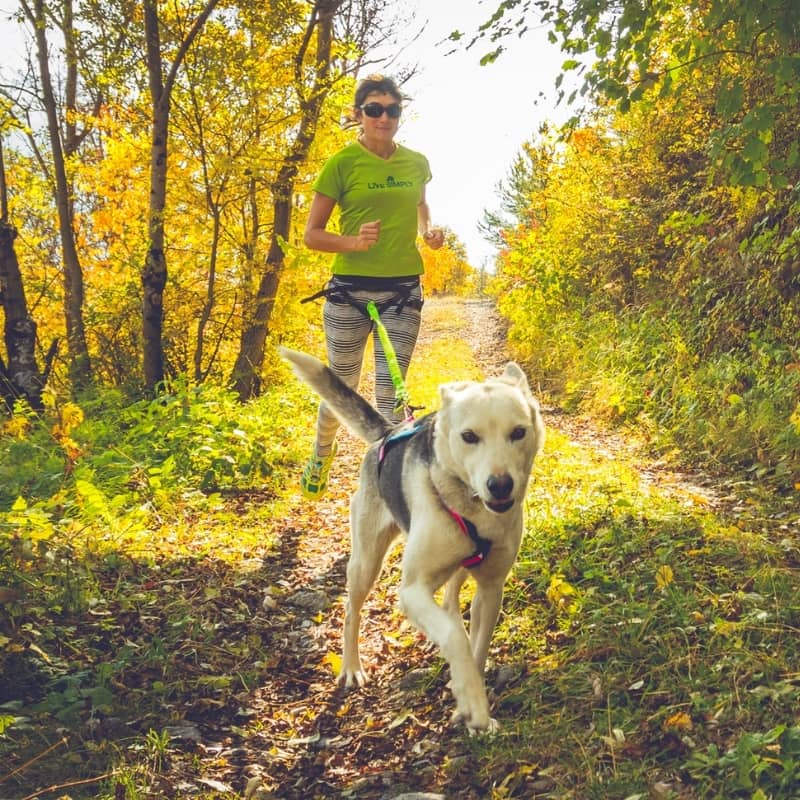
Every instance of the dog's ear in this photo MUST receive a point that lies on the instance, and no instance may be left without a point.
(448, 391)
(513, 374)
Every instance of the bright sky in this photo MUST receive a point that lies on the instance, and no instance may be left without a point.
(470, 121)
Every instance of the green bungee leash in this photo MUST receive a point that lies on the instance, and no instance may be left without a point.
(400, 391)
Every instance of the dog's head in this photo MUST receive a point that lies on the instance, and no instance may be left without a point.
(488, 435)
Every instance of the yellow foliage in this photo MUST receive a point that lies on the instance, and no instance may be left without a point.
(679, 722)
(334, 661)
(664, 576)
(71, 416)
(17, 427)
(795, 418)
(560, 593)
(446, 269)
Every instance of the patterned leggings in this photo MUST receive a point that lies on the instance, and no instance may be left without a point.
(346, 332)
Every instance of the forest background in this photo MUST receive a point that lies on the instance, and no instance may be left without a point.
(156, 172)
(154, 178)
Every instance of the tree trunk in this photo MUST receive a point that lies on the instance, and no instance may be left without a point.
(208, 305)
(80, 369)
(247, 369)
(154, 272)
(21, 377)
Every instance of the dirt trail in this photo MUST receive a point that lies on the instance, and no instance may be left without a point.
(394, 735)
(390, 737)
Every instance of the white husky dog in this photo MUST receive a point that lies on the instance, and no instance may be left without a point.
(454, 481)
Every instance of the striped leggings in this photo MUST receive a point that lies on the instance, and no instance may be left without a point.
(346, 333)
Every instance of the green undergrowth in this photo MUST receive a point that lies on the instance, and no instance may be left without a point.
(730, 403)
(131, 536)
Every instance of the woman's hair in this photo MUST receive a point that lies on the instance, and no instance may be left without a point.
(376, 84)
(372, 84)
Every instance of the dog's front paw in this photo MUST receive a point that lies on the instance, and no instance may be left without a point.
(472, 708)
(476, 722)
(352, 678)
(490, 730)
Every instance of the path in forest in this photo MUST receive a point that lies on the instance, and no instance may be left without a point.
(301, 738)
(394, 735)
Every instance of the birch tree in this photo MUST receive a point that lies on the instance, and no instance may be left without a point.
(64, 139)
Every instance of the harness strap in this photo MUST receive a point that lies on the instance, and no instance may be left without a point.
(339, 290)
(482, 546)
(341, 295)
(392, 439)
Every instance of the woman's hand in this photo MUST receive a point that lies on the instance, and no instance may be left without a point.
(434, 238)
(367, 236)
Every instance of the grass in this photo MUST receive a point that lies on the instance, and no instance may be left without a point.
(658, 642)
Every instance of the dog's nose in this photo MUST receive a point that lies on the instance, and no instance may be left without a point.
(500, 486)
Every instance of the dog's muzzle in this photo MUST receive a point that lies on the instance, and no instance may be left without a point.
(500, 488)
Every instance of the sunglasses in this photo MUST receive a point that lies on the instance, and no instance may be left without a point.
(376, 110)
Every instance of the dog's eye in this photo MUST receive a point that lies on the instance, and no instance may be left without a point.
(470, 437)
(517, 434)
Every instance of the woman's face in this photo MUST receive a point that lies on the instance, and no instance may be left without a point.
(384, 127)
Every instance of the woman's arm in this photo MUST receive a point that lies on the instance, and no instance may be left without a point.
(318, 238)
(433, 237)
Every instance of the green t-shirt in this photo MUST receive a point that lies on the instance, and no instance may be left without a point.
(367, 188)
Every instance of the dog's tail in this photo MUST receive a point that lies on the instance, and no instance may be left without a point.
(350, 408)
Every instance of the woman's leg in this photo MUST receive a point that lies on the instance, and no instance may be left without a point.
(346, 334)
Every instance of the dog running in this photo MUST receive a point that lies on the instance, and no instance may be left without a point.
(454, 482)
